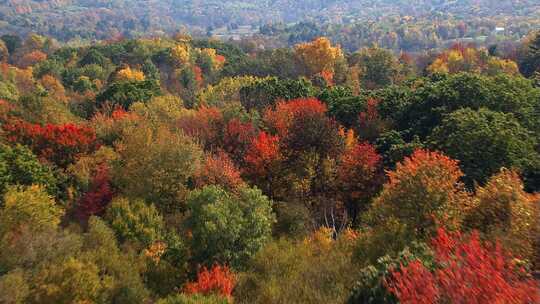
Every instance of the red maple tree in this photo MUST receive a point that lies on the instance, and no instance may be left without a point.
(237, 138)
(218, 280)
(219, 169)
(281, 118)
(360, 176)
(98, 197)
(467, 271)
(59, 144)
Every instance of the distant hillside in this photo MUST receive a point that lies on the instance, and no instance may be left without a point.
(99, 19)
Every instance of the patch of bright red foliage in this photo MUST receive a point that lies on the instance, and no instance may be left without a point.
(467, 272)
(359, 174)
(218, 280)
(237, 138)
(59, 144)
(263, 152)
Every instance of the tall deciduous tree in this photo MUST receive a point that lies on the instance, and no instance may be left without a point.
(319, 55)
(377, 67)
(504, 211)
(228, 228)
(359, 177)
(155, 165)
(484, 141)
(423, 193)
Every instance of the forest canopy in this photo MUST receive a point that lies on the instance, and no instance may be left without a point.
(324, 161)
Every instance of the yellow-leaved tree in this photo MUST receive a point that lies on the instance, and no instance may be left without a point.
(128, 74)
(318, 56)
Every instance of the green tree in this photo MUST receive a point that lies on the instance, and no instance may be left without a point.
(8, 91)
(156, 165)
(30, 206)
(120, 272)
(13, 42)
(268, 91)
(71, 281)
(317, 269)
(127, 92)
(343, 104)
(135, 221)
(93, 56)
(377, 67)
(438, 96)
(227, 228)
(484, 141)
(370, 284)
(531, 62)
(19, 166)
(160, 110)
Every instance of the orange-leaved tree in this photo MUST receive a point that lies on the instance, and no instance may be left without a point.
(219, 169)
(359, 177)
(423, 193)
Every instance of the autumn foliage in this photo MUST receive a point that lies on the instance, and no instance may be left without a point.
(237, 138)
(318, 56)
(128, 74)
(177, 170)
(205, 124)
(218, 280)
(281, 118)
(467, 271)
(359, 174)
(219, 169)
(98, 196)
(423, 192)
(303, 127)
(504, 211)
(462, 58)
(32, 58)
(59, 144)
(263, 153)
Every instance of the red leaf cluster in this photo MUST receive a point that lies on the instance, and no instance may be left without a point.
(281, 118)
(371, 113)
(218, 280)
(328, 76)
(220, 170)
(59, 144)
(468, 272)
(237, 138)
(98, 197)
(262, 154)
(197, 71)
(205, 124)
(359, 174)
